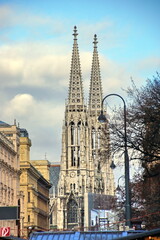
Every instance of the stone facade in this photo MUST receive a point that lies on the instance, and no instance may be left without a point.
(9, 171)
(43, 167)
(21, 184)
(85, 159)
(35, 188)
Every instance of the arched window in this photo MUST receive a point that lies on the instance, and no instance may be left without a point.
(78, 132)
(99, 138)
(72, 210)
(93, 138)
(72, 133)
(78, 159)
(73, 157)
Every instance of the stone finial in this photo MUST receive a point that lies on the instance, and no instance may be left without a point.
(95, 41)
(75, 33)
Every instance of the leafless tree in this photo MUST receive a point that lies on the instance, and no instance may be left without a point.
(143, 142)
(143, 123)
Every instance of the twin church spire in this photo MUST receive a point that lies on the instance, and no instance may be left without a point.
(95, 94)
(76, 94)
(84, 162)
(75, 97)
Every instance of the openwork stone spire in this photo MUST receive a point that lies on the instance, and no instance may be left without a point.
(95, 94)
(75, 97)
(85, 169)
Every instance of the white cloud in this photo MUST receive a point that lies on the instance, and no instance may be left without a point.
(43, 121)
(29, 66)
(21, 105)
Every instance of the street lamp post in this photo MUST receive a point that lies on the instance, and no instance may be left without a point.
(102, 118)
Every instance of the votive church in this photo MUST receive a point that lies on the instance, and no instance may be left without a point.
(85, 160)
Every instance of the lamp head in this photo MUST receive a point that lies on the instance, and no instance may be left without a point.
(112, 166)
(102, 117)
(118, 189)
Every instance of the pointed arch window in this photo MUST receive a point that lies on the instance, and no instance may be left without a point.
(78, 160)
(73, 158)
(78, 132)
(72, 210)
(93, 138)
(72, 133)
(99, 138)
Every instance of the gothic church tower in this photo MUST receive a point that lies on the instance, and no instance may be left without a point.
(84, 165)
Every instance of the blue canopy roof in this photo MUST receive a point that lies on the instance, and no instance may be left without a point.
(107, 235)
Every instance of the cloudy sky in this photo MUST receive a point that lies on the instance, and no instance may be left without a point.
(35, 55)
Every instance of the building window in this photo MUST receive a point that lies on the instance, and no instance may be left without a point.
(78, 160)
(72, 133)
(78, 132)
(29, 218)
(93, 138)
(99, 138)
(29, 197)
(72, 209)
(73, 159)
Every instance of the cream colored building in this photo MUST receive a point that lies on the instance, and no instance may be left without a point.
(35, 186)
(21, 184)
(43, 167)
(85, 159)
(10, 194)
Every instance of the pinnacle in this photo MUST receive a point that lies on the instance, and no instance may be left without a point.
(95, 41)
(75, 33)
